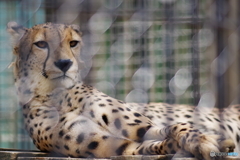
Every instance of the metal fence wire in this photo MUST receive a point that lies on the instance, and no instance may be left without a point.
(174, 51)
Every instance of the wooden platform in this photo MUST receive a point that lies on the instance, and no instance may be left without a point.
(13, 154)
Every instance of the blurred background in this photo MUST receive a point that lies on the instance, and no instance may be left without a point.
(174, 51)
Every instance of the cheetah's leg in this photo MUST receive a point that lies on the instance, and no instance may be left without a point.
(190, 140)
(153, 147)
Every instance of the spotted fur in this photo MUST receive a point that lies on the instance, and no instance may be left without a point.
(63, 115)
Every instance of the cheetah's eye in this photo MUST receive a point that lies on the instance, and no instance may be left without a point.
(73, 43)
(41, 44)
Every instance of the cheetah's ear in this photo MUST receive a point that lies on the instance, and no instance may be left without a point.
(16, 31)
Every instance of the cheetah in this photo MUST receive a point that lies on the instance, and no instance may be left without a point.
(66, 116)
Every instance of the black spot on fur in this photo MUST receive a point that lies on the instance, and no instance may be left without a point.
(61, 133)
(217, 120)
(209, 119)
(80, 138)
(174, 128)
(49, 127)
(184, 129)
(46, 111)
(137, 121)
(187, 116)
(31, 116)
(77, 151)
(61, 102)
(121, 149)
(114, 111)
(117, 123)
(105, 137)
(169, 118)
(141, 132)
(238, 138)
(128, 109)
(93, 145)
(62, 119)
(126, 117)
(80, 100)
(125, 133)
(137, 115)
(194, 135)
(92, 114)
(120, 108)
(120, 102)
(66, 147)
(31, 131)
(67, 137)
(161, 147)
(222, 127)
(105, 119)
(230, 128)
(102, 105)
(66, 96)
(170, 145)
(109, 100)
(132, 124)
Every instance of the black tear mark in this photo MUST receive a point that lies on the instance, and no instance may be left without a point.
(45, 62)
(105, 119)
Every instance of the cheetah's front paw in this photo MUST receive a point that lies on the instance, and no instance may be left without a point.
(205, 146)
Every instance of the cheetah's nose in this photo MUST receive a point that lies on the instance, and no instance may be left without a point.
(63, 64)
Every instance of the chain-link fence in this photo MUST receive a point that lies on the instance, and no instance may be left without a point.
(175, 51)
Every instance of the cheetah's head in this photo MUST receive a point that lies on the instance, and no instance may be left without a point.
(47, 56)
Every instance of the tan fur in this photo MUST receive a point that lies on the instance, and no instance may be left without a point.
(63, 115)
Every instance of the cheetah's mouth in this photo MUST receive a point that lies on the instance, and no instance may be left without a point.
(62, 77)
(63, 81)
